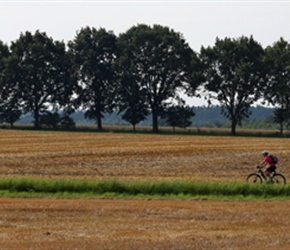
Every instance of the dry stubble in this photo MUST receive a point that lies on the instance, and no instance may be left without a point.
(137, 224)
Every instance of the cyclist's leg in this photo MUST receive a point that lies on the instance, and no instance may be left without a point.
(266, 174)
(269, 171)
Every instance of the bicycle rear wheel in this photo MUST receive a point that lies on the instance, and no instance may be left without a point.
(254, 178)
(279, 179)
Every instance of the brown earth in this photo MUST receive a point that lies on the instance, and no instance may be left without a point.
(130, 157)
(139, 224)
(143, 224)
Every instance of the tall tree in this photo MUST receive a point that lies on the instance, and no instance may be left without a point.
(40, 71)
(94, 52)
(277, 91)
(4, 53)
(9, 107)
(158, 60)
(234, 75)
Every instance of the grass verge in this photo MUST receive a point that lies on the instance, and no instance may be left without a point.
(30, 188)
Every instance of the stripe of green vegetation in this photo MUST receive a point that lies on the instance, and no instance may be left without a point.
(177, 189)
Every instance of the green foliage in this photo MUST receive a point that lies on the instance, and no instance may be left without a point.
(94, 54)
(178, 116)
(9, 108)
(233, 71)
(132, 102)
(281, 115)
(67, 122)
(56, 120)
(9, 115)
(138, 74)
(158, 60)
(277, 60)
(51, 120)
(261, 118)
(38, 71)
(135, 114)
(114, 188)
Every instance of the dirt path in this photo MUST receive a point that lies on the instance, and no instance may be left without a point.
(143, 224)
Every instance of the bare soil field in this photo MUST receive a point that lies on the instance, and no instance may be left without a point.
(143, 224)
(132, 223)
(41, 154)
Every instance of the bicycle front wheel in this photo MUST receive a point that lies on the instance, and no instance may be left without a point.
(279, 179)
(254, 178)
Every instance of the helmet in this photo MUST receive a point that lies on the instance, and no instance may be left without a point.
(265, 152)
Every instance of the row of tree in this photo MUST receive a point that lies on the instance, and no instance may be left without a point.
(140, 72)
(205, 117)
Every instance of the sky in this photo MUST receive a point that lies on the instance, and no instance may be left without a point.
(200, 22)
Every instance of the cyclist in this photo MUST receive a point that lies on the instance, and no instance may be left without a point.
(268, 164)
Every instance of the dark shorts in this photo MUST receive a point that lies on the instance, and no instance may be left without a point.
(271, 169)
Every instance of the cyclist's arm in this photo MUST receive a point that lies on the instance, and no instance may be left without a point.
(263, 163)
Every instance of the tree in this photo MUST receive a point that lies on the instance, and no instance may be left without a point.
(178, 116)
(4, 53)
(277, 91)
(9, 114)
(54, 120)
(9, 111)
(50, 119)
(134, 104)
(159, 61)
(67, 122)
(94, 54)
(234, 74)
(280, 116)
(131, 100)
(40, 72)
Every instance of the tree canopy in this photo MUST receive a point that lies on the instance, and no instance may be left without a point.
(178, 116)
(277, 90)
(38, 72)
(158, 59)
(234, 73)
(94, 53)
(9, 111)
(140, 72)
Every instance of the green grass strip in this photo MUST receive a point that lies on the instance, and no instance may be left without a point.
(26, 187)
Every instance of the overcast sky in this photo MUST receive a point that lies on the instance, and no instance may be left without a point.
(200, 22)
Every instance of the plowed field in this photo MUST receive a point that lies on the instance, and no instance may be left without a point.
(139, 224)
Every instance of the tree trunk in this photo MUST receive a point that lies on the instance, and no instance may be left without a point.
(233, 127)
(36, 119)
(99, 113)
(99, 122)
(281, 128)
(155, 121)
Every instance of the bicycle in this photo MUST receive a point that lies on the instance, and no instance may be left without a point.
(258, 177)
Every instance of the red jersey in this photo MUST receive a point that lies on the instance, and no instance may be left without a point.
(269, 160)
